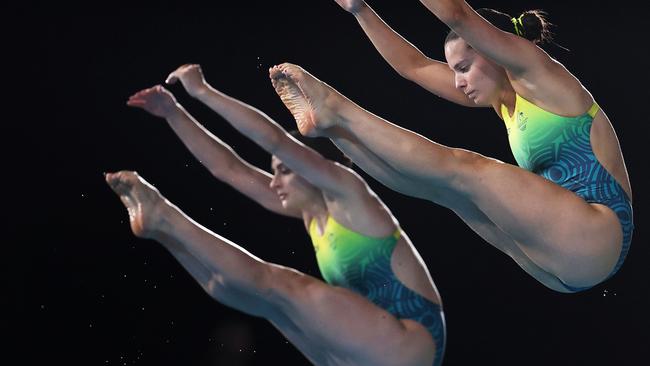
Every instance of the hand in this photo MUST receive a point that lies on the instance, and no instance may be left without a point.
(351, 6)
(156, 100)
(191, 77)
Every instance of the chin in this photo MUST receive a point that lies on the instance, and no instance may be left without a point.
(480, 102)
(288, 205)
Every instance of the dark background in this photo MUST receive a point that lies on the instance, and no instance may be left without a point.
(81, 289)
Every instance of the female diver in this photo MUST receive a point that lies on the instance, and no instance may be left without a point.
(564, 215)
(379, 305)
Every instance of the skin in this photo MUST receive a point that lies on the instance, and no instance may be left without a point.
(310, 313)
(491, 85)
(554, 235)
(483, 82)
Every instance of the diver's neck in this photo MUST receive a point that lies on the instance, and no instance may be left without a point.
(507, 97)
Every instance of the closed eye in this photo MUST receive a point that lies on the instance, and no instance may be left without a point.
(462, 66)
(282, 169)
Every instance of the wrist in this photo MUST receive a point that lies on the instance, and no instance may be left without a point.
(360, 9)
(199, 91)
(174, 112)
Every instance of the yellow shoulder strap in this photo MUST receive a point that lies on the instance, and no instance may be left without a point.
(593, 110)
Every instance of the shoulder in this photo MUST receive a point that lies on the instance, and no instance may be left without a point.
(551, 86)
(348, 182)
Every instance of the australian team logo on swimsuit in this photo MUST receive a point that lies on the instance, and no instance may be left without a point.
(521, 121)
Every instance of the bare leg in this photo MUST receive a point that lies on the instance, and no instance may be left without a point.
(483, 226)
(329, 325)
(563, 235)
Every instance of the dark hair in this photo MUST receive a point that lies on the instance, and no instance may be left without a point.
(535, 26)
(323, 146)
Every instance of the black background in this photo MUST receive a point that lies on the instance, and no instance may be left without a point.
(81, 289)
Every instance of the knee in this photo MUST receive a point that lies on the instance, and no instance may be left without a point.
(469, 169)
(285, 285)
(257, 283)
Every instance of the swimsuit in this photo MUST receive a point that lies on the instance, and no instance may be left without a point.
(559, 149)
(363, 264)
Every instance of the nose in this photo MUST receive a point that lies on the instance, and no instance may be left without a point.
(460, 81)
(275, 182)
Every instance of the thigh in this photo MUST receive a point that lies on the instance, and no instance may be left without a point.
(486, 229)
(332, 325)
(576, 241)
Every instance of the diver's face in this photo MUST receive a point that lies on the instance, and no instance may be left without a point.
(294, 191)
(476, 76)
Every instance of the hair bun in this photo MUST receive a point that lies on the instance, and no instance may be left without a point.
(536, 27)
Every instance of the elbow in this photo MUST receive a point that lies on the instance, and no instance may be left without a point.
(410, 70)
(273, 142)
(219, 171)
(454, 15)
(410, 74)
(222, 168)
(405, 72)
(276, 142)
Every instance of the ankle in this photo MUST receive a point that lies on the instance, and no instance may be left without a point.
(162, 219)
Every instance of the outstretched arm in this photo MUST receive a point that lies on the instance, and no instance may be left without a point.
(518, 55)
(532, 72)
(268, 134)
(404, 57)
(214, 154)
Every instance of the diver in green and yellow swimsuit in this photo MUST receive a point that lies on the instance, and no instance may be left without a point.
(352, 260)
(564, 214)
(559, 149)
(378, 304)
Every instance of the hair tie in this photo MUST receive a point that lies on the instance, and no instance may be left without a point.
(519, 25)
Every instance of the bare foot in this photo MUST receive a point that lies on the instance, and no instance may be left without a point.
(312, 102)
(142, 200)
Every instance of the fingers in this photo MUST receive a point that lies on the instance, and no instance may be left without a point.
(143, 96)
(180, 72)
(145, 92)
(138, 103)
(139, 99)
(171, 79)
(137, 94)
